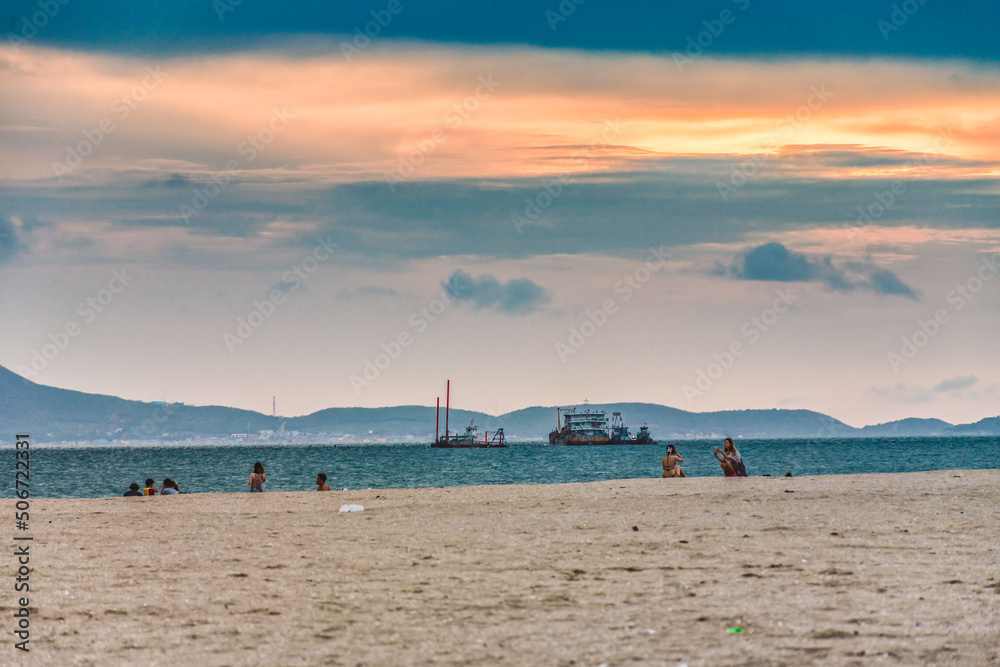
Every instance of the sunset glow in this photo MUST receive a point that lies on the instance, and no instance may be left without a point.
(214, 155)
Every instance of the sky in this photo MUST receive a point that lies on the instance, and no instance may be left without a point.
(716, 205)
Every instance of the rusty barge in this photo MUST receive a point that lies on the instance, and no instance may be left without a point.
(469, 439)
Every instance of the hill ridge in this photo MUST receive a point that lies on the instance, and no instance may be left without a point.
(52, 414)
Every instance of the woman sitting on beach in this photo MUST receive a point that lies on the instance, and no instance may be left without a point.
(257, 478)
(670, 467)
(730, 460)
(169, 488)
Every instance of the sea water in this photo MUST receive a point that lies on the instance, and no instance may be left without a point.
(98, 471)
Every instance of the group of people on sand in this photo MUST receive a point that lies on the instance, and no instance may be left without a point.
(258, 477)
(168, 488)
(729, 460)
(256, 483)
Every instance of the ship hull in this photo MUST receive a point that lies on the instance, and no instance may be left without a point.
(459, 444)
(556, 438)
(637, 441)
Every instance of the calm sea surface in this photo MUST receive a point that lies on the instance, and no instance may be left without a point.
(89, 472)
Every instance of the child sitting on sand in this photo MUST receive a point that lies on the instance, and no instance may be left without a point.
(321, 484)
(150, 488)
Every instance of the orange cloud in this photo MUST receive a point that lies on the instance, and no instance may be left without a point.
(435, 112)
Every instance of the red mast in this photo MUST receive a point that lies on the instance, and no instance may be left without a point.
(437, 419)
(447, 408)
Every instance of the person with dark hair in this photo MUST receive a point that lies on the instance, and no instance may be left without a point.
(169, 488)
(730, 460)
(670, 467)
(257, 478)
(133, 490)
(321, 484)
(150, 488)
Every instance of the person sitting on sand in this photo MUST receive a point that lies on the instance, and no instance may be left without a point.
(150, 488)
(670, 467)
(257, 478)
(133, 490)
(321, 484)
(735, 457)
(730, 460)
(169, 488)
(725, 463)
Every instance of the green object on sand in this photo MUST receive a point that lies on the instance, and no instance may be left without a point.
(734, 630)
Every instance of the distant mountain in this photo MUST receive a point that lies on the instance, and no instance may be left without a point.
(908, 427)
(414, 420)
(50, 414)
(988, 426)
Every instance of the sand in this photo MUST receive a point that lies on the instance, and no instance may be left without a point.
(836, 570)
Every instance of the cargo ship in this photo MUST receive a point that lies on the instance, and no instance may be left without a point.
(580, 428)
(574, 427)
(462, 440)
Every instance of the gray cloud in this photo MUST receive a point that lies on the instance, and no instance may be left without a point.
(956, 383)
(959, 28)
(672, 201)
(10, 242)
(901, 393)
(884, 281)
(774, 262)
(366, 292)
(514, 297)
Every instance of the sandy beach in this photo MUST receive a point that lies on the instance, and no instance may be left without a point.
(837, 570)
